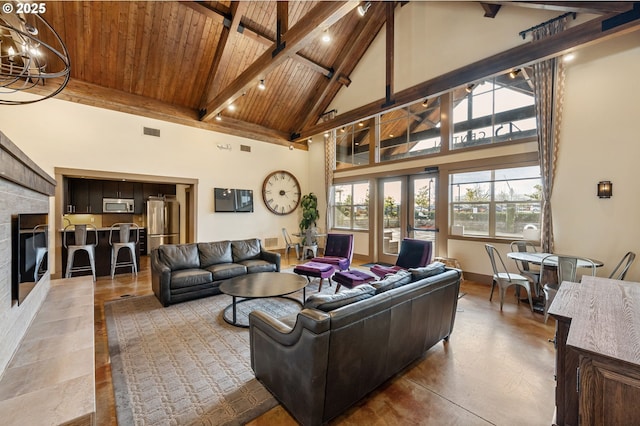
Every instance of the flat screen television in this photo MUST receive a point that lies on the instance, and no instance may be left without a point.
(30, 259)
(233, 200)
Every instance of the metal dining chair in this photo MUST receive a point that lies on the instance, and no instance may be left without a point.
(289, 244)
(80, 243)
(505, 279)
(567, 270)
(622, 267)
(525, 267)
(124, 241)
(40, 242)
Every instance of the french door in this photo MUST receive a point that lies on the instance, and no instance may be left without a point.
(407, 206)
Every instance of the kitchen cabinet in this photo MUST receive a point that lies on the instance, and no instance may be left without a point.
(117, 189)
(83, 196)
(158, 189)
(598, 352)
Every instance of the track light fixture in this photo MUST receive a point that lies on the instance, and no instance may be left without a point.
(362, 9)
(425, 103)
(326, 37)
(261, 85)
(514, 73)
(470, 87)
(218, 117)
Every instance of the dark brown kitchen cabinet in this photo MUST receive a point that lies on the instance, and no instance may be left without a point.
(158, 189)
(117, 189)
(138, 198)
(598, 352)
(83, 196)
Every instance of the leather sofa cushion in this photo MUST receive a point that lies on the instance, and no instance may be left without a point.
(245, 249)
(434, 268)
(398, 279)
(179, 256)
(214, 253)
(225, 271)
(329, 302)
(258, 265)
(189, 277)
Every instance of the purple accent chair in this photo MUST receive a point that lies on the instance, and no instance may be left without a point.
(413, 254)
(338, 251)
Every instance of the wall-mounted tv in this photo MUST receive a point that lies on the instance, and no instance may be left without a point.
(233, 200)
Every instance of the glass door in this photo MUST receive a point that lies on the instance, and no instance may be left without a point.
(408, 207)
(393, 202)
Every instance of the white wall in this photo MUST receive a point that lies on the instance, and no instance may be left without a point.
(57, 133)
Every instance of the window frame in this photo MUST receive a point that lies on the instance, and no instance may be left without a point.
(333, 206)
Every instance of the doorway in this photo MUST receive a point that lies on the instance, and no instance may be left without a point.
(407, 206)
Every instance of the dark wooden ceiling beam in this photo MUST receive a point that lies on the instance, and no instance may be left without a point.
(101, 97)
(490, 9)
(595, 7)
(581, 35)
(322, 16)
(325, 91)
(224, 48)
(222, 13)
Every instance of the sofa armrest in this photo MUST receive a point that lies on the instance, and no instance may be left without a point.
(291, 362)
(160, 279)
(271, 257)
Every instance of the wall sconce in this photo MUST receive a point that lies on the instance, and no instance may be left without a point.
(605, 189)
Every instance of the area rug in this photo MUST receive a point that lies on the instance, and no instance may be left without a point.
(184, 365)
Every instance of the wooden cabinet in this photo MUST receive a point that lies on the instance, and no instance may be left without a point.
(158, 189)
(117, 189)
(83, 196)
(598, 352)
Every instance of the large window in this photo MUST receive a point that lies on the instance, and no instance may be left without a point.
(353, 143)
(495, 203)
(494, 110)
(351, 206)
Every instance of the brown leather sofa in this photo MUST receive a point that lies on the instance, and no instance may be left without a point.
(320, 363)
(181, 272)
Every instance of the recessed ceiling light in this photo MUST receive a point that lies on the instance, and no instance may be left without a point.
(218, 117)
(231, 107)
(569, 57)
(326, 37)
(261, 85)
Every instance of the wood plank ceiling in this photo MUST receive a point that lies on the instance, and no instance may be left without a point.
(187, 61)
(193, 59)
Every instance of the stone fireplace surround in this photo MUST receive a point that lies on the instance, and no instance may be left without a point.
(46, 343)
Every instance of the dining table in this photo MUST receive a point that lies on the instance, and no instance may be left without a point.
(550, 270)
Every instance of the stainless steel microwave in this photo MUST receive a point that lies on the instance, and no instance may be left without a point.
(117, 205)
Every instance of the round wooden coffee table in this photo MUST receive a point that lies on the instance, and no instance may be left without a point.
(260, 285)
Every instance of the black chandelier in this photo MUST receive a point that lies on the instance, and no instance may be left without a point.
(33, 58)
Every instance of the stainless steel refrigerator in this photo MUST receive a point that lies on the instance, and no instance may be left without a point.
(163, 222)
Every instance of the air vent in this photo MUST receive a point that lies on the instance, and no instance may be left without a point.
(151, 132)
(245, 148)
(271, 242)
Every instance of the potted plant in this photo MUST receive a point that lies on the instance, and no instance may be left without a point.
(310, 215)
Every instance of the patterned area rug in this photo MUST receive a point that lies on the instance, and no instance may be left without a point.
(184, 365)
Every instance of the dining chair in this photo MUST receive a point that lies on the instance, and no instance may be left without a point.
(40, 242)
(504, 279)
(124, 241)
(566, 269)
(290, 244)
(524, 267)
(81, 243)
(621, 269)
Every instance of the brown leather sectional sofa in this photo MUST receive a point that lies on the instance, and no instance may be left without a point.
(318, 364)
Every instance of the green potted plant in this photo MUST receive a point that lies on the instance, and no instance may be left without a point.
(310, 215)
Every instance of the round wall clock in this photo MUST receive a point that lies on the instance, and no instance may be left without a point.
(281, 192)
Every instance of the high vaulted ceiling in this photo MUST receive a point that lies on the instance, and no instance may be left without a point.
(187, 61)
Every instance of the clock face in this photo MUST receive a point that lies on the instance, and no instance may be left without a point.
(281, 192)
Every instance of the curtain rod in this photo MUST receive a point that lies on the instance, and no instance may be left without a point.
(523, 34)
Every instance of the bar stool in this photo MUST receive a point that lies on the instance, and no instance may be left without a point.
(80, 243)
(124, 241)
(40, 248)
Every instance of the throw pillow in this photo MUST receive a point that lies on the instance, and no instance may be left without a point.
(329, 302)
(390, 281)
(434, 268)
(245, 249)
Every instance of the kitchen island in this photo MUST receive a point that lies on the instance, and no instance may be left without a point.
(103, 252)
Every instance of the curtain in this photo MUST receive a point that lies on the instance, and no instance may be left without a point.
(329, 166)
(548, 77)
